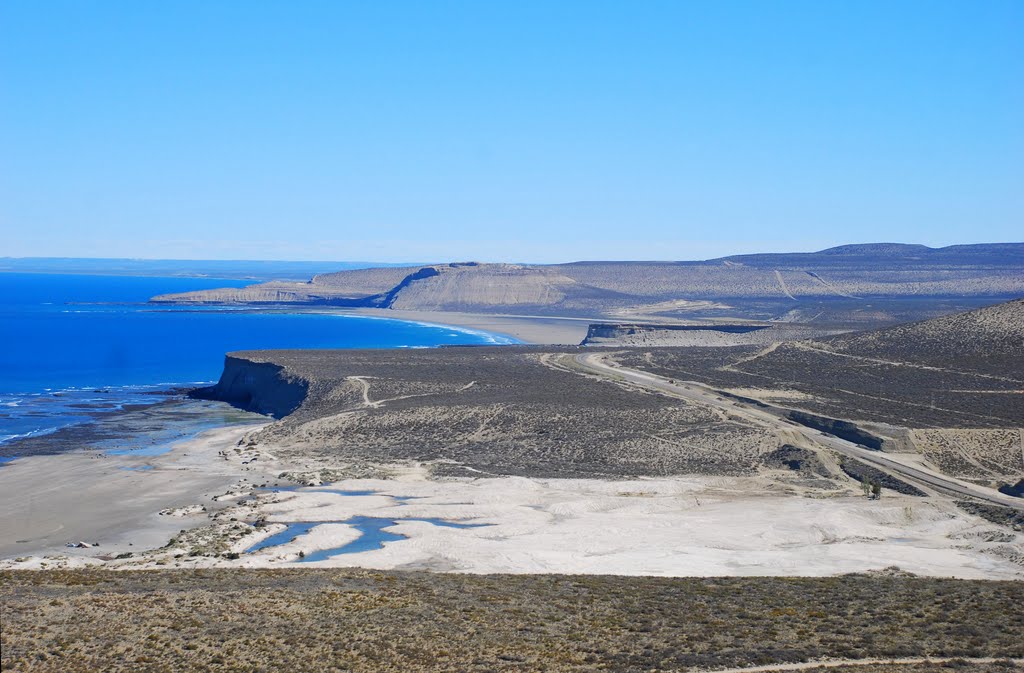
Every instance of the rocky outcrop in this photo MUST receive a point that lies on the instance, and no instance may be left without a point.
(802, 461)
(263, 387)
(1015, 490)
(599, 333)
(388, 300)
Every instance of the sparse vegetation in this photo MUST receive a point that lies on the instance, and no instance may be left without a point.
(500, 411)
(872, 480)
(1003, 516)
(353, 620)
(959, 371)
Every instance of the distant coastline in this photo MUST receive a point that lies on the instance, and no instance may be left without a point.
(82, 346)
(250, 270)
(843, 288)
(537, 330)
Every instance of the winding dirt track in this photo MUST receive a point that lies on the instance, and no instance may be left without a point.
(772, 418)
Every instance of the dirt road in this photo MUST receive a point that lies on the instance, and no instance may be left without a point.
(773, 418)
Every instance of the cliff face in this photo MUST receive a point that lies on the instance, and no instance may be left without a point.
(599, 331)
(264, 293)
(357, 287)
(477, 287)
(263, 387)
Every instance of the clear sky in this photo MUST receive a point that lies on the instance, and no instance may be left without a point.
(506, 130)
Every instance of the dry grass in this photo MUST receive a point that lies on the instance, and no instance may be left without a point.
(351, 620)
(496, 410)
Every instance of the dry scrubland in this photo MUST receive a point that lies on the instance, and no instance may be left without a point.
(707, 336)
(988, 341)
(954, 665)
(489, 411)
(351, 620)
(960, 371)
(948, 388)
(974, 454)
(841, 387)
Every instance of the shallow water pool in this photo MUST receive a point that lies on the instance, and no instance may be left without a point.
(373, 535)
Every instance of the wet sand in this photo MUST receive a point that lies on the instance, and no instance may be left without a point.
(114, 500)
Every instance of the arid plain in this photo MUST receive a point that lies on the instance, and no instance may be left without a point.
(694, 436)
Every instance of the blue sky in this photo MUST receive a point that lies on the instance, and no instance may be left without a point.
(506, 131)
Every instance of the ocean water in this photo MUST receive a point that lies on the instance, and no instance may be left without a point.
(74, 346)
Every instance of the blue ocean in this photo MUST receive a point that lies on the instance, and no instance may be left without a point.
(74, 346)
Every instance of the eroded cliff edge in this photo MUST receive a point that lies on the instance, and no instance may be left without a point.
(260, 386)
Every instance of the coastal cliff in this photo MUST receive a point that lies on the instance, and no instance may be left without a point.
(263, 387)
(709, 335)
(598, 331)
(273, 293)
(873, 284)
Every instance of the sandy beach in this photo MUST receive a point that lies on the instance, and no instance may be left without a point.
(528, 329)
(116, 500)
(112, 499)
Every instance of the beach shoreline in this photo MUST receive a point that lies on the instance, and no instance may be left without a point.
(684, 526)
(208, 503)
(532, 330)
(91, 496)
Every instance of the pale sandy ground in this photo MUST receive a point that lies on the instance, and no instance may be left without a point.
(529, 329)
(684, 526)
(679, 526)
(699, 526)
(47, 501)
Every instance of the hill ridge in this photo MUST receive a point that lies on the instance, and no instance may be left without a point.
(846, 273)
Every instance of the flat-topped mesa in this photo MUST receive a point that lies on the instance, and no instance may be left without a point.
(275, 292)
(695, 335)
(628, 333)
(500, 410)
(455, 286)
(590, 289)
(357, 287)
(474, 286)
